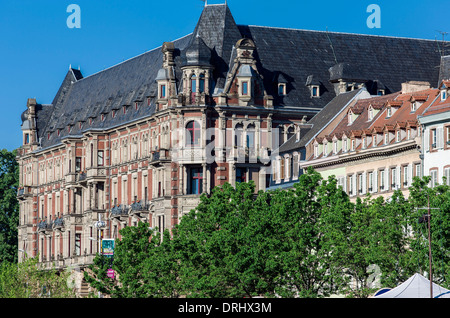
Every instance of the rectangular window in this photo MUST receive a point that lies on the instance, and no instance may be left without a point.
(393, 178)
(418, 170)
(382, 180)
(433, 138)
(405, 176)
(371, 189)
(163, 91)
(77, 164)
(241, 175)
(244, 88)
(78, 244)
(360, 183)
(100, 158)
(196, 181)
(434, 178)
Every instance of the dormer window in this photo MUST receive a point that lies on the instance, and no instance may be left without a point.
(162, 91)
(370, 115)
(316, 151)
(282, 89)
(386, 138)
(443, 94)
(398, 136)
(350, 117)
(148, 101)
(124, 108)
(244, 90)
(136, 105)
(374, 140)
(381, 92)
(315, 91)
(353, 144)
(413, 106)
(113, 114)
(389, 112)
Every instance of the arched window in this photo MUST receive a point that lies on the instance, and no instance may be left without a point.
(238, 135)
(193, 84)
(251, 136)
(193, 138)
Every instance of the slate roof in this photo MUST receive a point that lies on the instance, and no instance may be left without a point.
(318, 122)
(286, 55)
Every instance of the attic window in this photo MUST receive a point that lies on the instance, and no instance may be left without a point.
(381, 92)
(370, 113)
(113, 114)
(148, 101)
(282, 89)
(124, 108)
(58, 132)
(136, 105)
(413, 106)
(389, 112)
(90, 121)
(103, 117)
(162, 91)
(244, 88)
(315, 91)
(443, 94)
(350, 118)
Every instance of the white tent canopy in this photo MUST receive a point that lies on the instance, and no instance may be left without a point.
(415, 287)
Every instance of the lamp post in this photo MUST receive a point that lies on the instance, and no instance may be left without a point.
(427, 218)
(99, 225)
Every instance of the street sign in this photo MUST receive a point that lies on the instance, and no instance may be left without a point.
(108, 247)
(110, 273)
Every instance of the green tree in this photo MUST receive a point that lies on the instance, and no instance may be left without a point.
(9, 206)
(28, 280)
(438, 200)
(143, 265)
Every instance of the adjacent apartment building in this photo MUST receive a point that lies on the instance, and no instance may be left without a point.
(143, 139)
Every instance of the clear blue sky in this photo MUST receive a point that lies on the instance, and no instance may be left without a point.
(37, 47)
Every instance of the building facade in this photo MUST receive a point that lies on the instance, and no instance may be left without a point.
(142, 140)
(435, 123)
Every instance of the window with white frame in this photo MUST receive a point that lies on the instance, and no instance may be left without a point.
(393, 178)
(434, 178)
(405, 176)
(382, 180)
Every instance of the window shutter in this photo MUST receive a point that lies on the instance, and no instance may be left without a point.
(375, 181)
(426, 140)
(440, 137)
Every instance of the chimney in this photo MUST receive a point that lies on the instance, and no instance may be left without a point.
(414, 86)
(444, 70)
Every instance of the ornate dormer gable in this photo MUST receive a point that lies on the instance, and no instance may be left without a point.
(244, 84)
(165, 79)
(197, 74)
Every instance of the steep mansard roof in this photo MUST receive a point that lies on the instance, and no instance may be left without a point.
(297, 57)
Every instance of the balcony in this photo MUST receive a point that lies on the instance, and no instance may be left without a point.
(120, 212)
(44, 227)
(81, 177)
(24, 192)
(140, 209)
(58, 224)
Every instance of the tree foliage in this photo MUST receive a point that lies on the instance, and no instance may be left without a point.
(28, 280)
(309, 241)
(9, 206)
